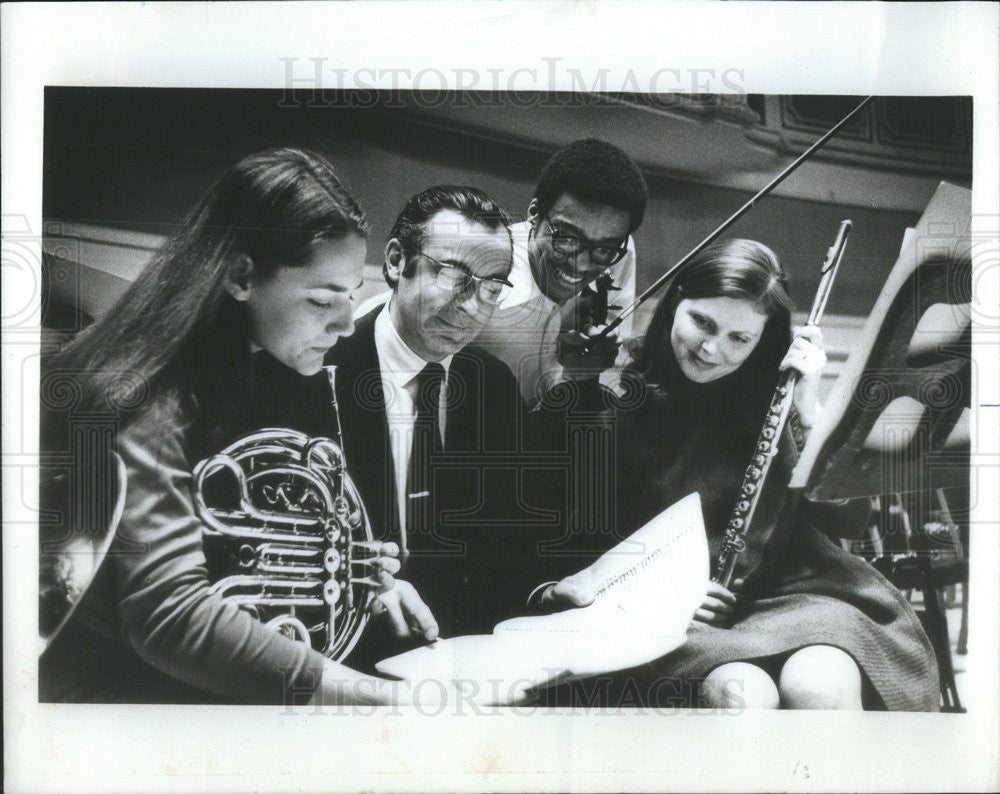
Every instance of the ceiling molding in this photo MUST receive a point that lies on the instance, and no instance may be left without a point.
(719, 141)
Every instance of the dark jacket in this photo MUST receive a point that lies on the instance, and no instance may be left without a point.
(479, 563)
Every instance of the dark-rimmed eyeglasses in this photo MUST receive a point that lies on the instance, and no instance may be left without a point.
(459, 281)
(570, 245)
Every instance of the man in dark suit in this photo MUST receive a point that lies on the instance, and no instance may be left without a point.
(430, 425)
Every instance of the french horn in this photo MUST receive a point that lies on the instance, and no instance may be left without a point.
(287, 537)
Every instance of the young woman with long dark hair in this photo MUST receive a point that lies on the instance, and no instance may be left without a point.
(806, 625)
(211, 341)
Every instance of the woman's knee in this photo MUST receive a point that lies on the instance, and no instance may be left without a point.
(739, 685)
(820, 677)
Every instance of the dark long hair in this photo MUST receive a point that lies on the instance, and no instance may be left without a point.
(741, 269)
(176, 332)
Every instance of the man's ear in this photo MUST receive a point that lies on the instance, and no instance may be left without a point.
(395, 260)
(239, 278)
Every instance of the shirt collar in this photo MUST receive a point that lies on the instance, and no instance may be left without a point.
(397, 360)
(525, 289)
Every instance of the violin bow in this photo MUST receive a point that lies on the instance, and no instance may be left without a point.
(658, 284)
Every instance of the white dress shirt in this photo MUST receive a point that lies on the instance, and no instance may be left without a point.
(399, 367)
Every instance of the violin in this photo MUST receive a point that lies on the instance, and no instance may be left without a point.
(580, 317)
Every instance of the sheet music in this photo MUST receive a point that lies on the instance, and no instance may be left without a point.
(647, 590)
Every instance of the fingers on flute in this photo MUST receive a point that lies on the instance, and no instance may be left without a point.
(717, 606)
(810, 333)
(707, 616)
(717, 591)
(791, 361)
(803, 362)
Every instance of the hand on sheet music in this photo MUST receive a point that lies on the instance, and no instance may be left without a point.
(574, 591)
(630, 606)
(404, 612)
(718, 605)
(806, 356)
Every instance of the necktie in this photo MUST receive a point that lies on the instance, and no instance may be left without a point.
(426, 441)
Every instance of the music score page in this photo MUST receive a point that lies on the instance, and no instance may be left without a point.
(647, 589)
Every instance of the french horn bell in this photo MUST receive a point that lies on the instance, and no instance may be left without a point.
(287, 537)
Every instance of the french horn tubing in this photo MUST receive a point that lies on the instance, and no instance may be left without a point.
(287, 537)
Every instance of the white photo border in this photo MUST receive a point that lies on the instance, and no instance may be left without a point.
(777, 48)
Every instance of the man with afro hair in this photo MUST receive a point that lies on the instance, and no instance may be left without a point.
(589, 199)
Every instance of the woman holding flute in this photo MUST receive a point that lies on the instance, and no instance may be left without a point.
(804, 624)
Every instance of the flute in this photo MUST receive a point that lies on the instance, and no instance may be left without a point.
(766, 449)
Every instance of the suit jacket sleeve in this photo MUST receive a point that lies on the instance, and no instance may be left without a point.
(166, 611)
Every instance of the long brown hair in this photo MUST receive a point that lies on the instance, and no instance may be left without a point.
(177, 331)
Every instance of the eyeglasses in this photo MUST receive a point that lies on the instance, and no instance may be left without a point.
(570, 245)
(458, 280)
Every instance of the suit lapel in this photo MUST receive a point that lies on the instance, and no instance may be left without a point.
(365, 428)
(463, 415)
